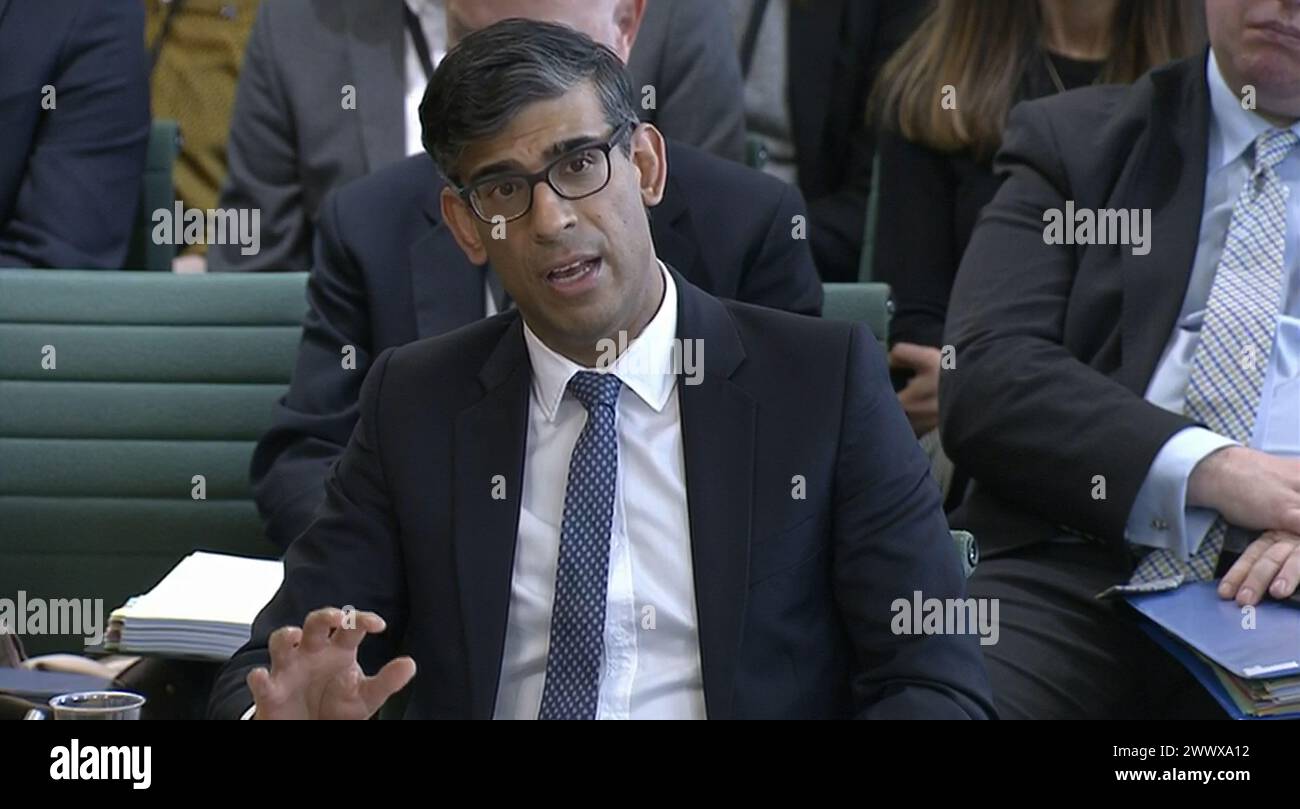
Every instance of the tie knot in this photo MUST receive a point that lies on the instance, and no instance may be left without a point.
(1272, 148)
(592, 388)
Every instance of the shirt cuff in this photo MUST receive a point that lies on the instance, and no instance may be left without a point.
(1160, 517)
(249, 713)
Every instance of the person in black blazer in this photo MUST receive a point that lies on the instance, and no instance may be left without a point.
(1052, 404)
(74, 113)
(832, 51)
(387, 271)
(442, 529)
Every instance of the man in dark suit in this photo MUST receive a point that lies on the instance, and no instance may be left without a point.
(1122, 398)
(388, 271)
(624, 498)
(74, 113)
(328, 90)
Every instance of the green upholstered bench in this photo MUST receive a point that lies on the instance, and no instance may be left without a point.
(116, 390)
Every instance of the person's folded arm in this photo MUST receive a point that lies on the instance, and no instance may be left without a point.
(349, 556)
(890, 540)
(310, 425)
(1020, 413)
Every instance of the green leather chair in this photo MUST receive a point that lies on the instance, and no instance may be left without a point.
(860, 303)
(157, 191)
(116, 389)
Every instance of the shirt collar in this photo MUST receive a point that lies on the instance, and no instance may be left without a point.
(646, 367)
(1233, 128)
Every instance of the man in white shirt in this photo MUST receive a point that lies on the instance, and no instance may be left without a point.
(624, 498)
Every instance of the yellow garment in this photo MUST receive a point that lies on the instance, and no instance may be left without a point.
(194, 83)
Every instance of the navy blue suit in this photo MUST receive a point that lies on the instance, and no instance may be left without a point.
(70, 175)
(793, 596)
(388, 271)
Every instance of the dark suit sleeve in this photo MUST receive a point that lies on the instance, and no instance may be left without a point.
(312, 422)
(263, 162)
(916, 251)
(349, 557)
(80, 189)
(783, 275)
(699, 93)
(891, 540)
(1019, 412)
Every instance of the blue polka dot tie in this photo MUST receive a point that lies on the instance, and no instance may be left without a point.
(578, 612)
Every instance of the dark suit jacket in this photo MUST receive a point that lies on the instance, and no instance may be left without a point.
(292, 142)
(1055, 345)
(70, 176)
(835, 49)
(793, 595)
(388, 272)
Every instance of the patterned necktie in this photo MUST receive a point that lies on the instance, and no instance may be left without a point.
(581, 578)
(1228, 369)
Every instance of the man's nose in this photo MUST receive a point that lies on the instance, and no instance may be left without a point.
(552, 213)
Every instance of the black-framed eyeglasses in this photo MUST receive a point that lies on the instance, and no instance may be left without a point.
(576, 174)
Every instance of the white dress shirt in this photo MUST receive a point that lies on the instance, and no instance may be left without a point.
(651, 667)
(1160, 517)
(433, 19)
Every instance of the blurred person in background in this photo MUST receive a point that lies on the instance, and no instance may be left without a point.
(196, 48)
(943, 102)
(330, 91)
(74, 124)
(808, 66)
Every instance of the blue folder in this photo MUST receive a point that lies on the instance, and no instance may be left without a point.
(1194, 617)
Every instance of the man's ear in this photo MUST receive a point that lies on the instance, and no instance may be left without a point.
(650, 156)
(463, 224)
(627, 16)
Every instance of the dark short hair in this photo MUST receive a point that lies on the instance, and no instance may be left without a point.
(483, 83)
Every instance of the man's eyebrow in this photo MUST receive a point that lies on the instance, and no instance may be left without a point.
(515, 167)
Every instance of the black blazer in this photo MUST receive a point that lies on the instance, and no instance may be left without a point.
(793, 595)
(388, 271)
(70, 175)
(834, 50)
(1055, 345)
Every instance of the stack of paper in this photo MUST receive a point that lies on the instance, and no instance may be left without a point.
(203, 608)
(1248, 658)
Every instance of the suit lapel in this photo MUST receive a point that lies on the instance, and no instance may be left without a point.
(446, 288)
(1168, 176)
(489, 442)
(718, 419)
(377, 52)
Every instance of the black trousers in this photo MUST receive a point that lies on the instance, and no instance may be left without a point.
(1062, 653)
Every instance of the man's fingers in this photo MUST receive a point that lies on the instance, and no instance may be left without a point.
(366, 623)
(394, 676)
(316, 629)
(1262, 573)
(259, 684)
(282, 646)
(1284, 583)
